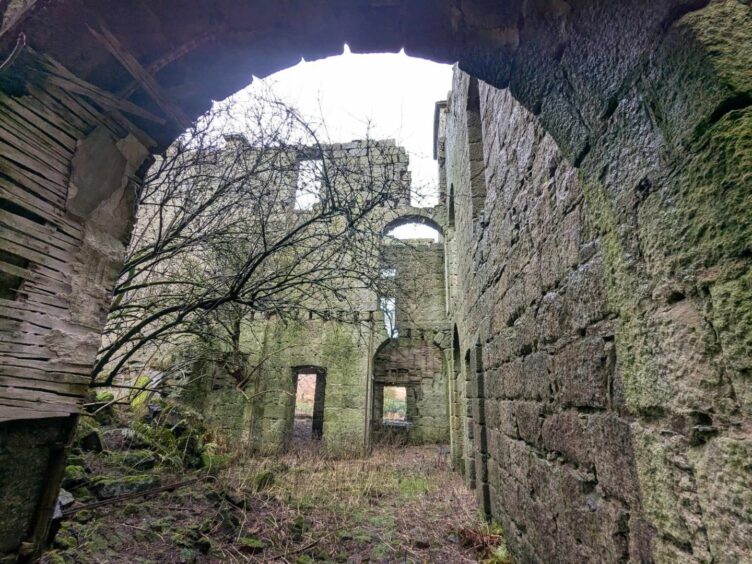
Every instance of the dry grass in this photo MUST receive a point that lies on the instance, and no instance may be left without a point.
(399, 504)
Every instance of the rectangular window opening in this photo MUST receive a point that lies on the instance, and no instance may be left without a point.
(389, 307)
(395, 404)
(308, 190)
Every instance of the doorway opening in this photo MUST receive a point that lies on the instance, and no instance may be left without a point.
(308, 409)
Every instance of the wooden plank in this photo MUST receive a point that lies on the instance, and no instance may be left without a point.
(43, 232)
(45, 209)
(43, 173)
(50, 366)
(25, 394)
(16, 270)
(36, 307)
(33, 255)
(11, 410)
(147, 81)
(46, 158)
(36, 244)
(63, 78)
(48, 119)
(45, 375)
(32, 183)
(34, 399)
(27, 117)
(44, 98)
(87, 111)
(32, 135)
(61, 388)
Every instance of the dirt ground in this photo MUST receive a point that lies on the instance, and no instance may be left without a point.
(401, 504)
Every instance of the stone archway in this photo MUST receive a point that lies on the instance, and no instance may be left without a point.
(648, 101)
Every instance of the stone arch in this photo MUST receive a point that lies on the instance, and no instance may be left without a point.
(419, 216)
(417, 365)
(608, 81)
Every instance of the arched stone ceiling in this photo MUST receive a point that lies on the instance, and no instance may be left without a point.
(567, 61)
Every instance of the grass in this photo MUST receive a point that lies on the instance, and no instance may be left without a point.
(401, 504)
(398, 504)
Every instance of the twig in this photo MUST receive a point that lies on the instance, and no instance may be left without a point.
(297, 550)
(123, 497)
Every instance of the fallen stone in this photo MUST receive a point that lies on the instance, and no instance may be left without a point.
(106, 488)
(74, 476)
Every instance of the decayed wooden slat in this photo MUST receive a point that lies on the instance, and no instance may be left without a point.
(50, 399)
(46, 322)
(47, 386)
(43, 174)
(25, 338)
(20, 369)
(147, 81)
(32, 137)
(62, 77)
(12, 410)
(32, 240)
(40, 207)
(45, 232)
(26, 252)
(60, 110)
(50, 366)
(49, 119)
(86, 111)
(32, 183)
(29, 201)
(51, 375)
(52, 302)
(37, 307)
(16, 270)
(36, 244)
(24, 115)
(23, 139)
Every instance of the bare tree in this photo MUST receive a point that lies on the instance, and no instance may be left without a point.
(269, 220)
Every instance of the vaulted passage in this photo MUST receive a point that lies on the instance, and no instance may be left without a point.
(586, 316)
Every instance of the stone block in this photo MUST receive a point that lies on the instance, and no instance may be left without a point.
(529, 417)
(613, 454)
(583, 371)
(567, 433)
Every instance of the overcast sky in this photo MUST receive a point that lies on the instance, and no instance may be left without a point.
(395, 92)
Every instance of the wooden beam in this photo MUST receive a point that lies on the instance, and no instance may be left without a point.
(137, 71)
(168, 58)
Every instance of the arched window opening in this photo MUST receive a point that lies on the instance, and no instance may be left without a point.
(409, 231)
(475, 145)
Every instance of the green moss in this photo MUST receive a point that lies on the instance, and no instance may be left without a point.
(657, 489)
(251, 544)
(644, 390)
(105, 397)
(139, 397)
(133, 459)
(107, 487)
(74, 476)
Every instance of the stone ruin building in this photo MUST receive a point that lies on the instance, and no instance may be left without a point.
(596, 169)
(353, 351)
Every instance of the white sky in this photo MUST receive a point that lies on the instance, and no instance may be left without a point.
(396, 93)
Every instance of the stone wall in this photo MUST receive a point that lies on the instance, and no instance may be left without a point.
(416, 364)
(605, 289)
